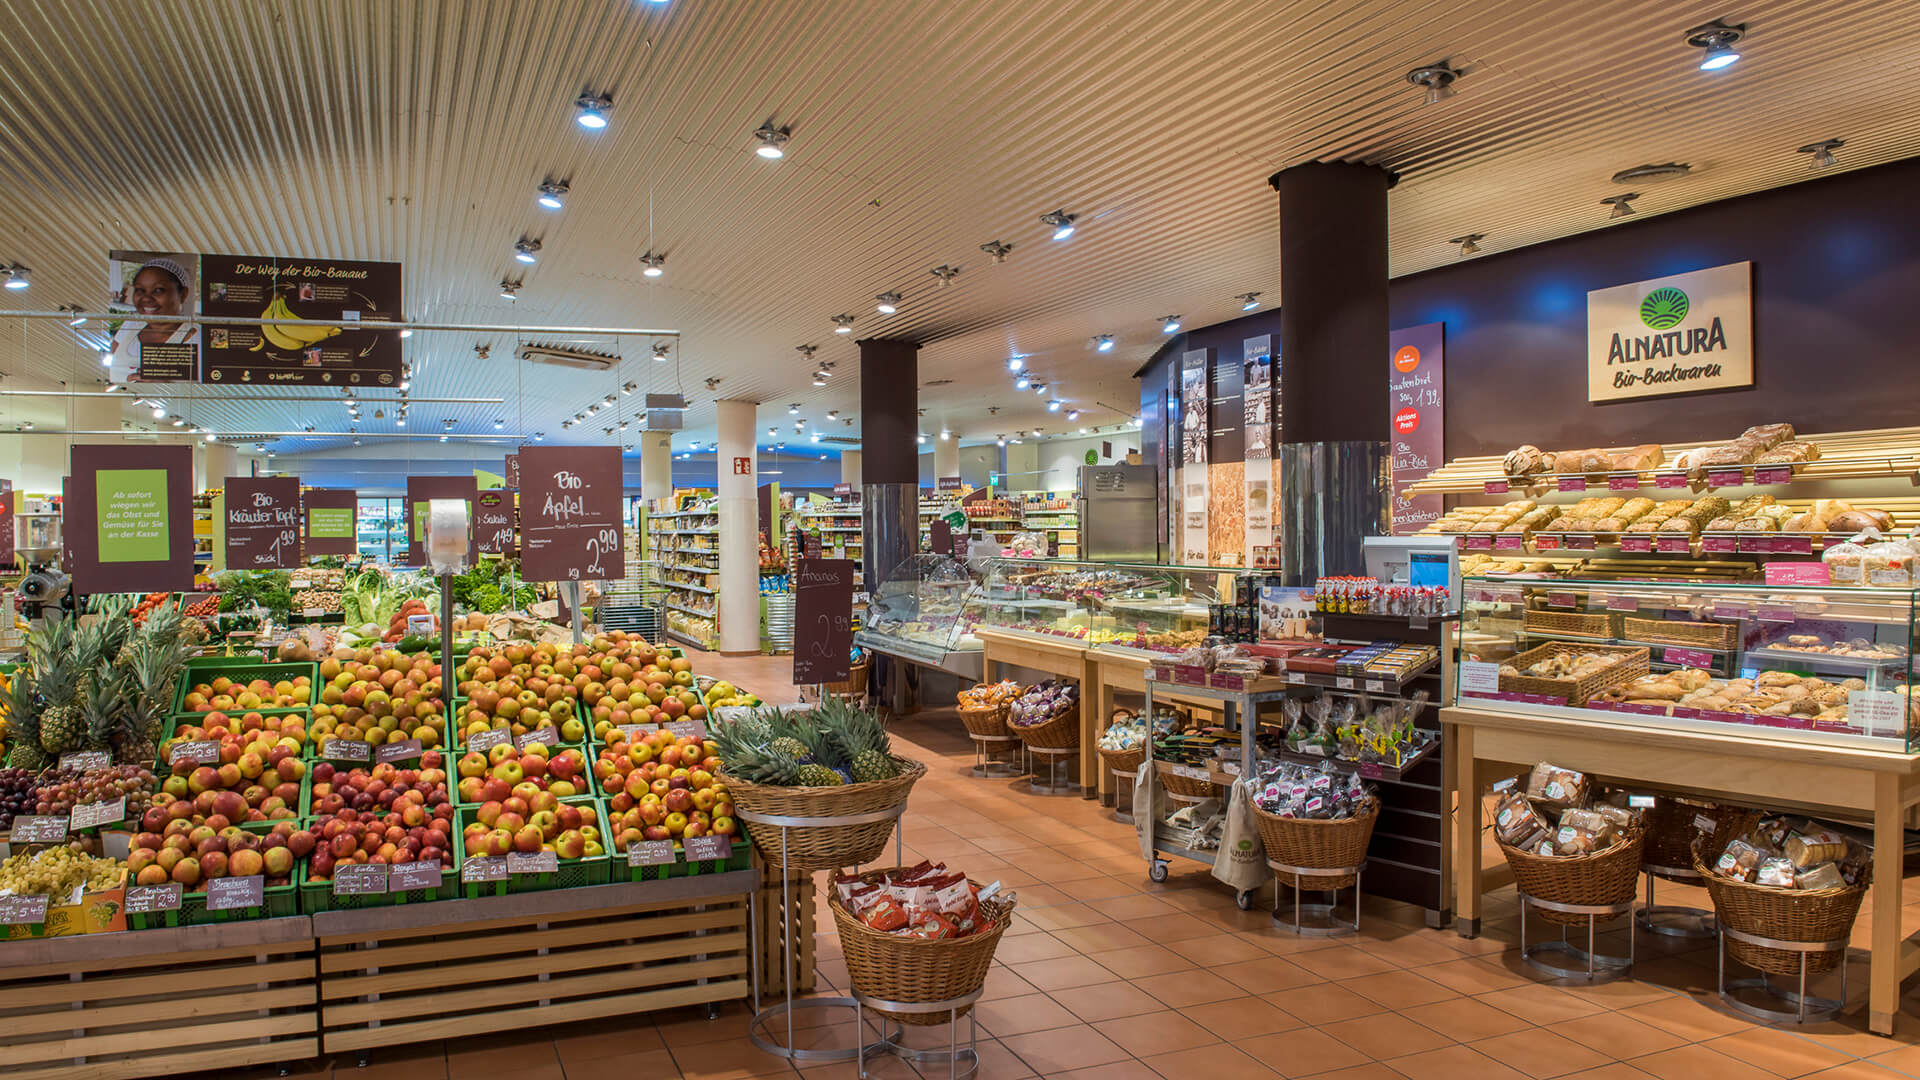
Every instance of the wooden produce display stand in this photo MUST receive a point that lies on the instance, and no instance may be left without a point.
(1064, 657)
(1875, 786)
(217, 998)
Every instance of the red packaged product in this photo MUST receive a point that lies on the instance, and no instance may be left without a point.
(885, 915)
(931, 927)
(861, 897)
(913, 874)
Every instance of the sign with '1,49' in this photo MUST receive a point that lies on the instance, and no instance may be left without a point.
(571, 527)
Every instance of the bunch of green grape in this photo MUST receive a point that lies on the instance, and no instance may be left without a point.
(57, 871)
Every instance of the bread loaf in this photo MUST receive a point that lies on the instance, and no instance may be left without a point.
(1524, 461)
(1644, 456)
(1567, 461)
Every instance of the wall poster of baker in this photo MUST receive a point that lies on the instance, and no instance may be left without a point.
(158, 341)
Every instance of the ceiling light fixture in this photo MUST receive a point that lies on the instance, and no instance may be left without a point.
(945, 273)
(1717, 39)
(1000, 441)
(400, 421)
(527, 251)
(1053, 405)
(1022, 383)
(1061, 222)
(498, 424)
(1170, 324)
(1822, 152)
(655, 264)
(1016, 362)
(211, 436)
(921, 438)
(1469, 244)
(996, 250)
(1619, 204)
(627, 389)
(78, 319)
(509, 290)
(843, 324)
(159, 412)
(1104, 343)
(773, 141)
(553, 194)
(1436, 79)
(1249, 301)
(1074, 414)
(593, 110)
(539, 435)
(16, 276)
(181, 421)
(819, 378)
(405, 334)
(889, 302)
(1040, 388)
(945, 434)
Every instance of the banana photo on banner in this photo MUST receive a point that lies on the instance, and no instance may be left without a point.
(157, 291)
(295, 295)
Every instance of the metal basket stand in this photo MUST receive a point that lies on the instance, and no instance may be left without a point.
(953, 1055)
(1596, 968)
(1822, 1008)
(998, 755)
(757, 1029)
(1317, 920)
(1674, 920)
(1062, 764)
(1123, 797)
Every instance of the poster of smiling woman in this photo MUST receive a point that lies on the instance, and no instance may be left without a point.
(157, 340)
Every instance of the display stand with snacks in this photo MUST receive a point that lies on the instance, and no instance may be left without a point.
(1046, 718)
(1240, 706)
(1315, 826)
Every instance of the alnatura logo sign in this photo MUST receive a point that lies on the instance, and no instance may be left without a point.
(1673, 335)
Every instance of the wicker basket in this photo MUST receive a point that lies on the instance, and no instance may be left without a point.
(1060, 733)
(912, 970)
(1706, 635)
(986, 721)
(1187, 787)
(1308, 842)
(1611, 876)
(1598, 624)
(1813, 915)
(1123, 761)
(855, 685)
(1671, 831)
(823, 847)
(1632, 665)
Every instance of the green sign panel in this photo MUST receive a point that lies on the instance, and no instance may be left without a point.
(330, 523)
(131, 515)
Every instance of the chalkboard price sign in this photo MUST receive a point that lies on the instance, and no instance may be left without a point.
(572, 526)
(263, 522)
(822, 621)
(493, 523)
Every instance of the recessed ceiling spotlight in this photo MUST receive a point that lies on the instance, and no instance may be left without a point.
(655, 264)
(1469, 244)
(843, 324)
(1104, 343)
(945, 273)
(833, 414)
(1016, 362)
(16, 276)
(593, 110)
(1436, 79)
(553, 194)
(1717, 39)
(1170, 324)
(1248, 301)
(527, 251)
(1619, 204)
(509, 290)
(211, 436)
(356, 442)
(1822, 151)
(609, 431)
(772, 140)
(889, 302)
(159, 411)
(1022, 383)
(1053, 405)
(1061, 222)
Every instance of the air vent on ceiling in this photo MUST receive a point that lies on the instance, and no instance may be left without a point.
(1652, 174)
(565, 356)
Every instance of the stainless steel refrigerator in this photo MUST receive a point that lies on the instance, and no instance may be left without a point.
(1119, 514)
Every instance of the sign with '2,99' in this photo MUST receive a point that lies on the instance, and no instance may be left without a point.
(571, 528)
(822, 620)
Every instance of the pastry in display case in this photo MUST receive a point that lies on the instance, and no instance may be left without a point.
(1126, 606)
(920, 613)
(1829, 663)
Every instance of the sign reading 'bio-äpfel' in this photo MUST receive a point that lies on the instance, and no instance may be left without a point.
(571, 525)
(1679, 334)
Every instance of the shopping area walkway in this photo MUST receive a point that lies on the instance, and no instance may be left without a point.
(1106, 976)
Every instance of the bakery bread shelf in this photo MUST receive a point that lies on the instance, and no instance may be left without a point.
(1883, 453)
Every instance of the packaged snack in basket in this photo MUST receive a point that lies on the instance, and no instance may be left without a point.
(1809, 849)
(1775, 870)
(1824, 876)
(1514, 819)
(931, 926)
(1553, 784)
(1739, 861)
(1582, 832)
(885, 914)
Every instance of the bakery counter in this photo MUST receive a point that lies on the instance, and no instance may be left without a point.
(1872, 786)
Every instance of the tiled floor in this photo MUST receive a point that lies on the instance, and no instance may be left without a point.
(1105, 976)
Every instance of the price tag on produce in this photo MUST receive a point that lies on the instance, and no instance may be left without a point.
(1573, 483)
(532, 862)
(1679, 544)
(1230, 767)
(40, 829)
(1341, 682)
(1581, 541)
(572, 514)
(1376, 686)
(28, 910)
(483, 868)
(1640, 542)
(1693, 658)
(633, 731)
(1670, 480)
(1623, 603)
(709, 848)
(360, 879)
(1640, 802)
(546, 736)
(85, 760)
(650, 853)
(1546, 541)
(346, 750)
(1704, 823)
(411, 876)
(1510, 542)
(1767, 613)
(1496, 487)
(1191, 773)
(1773, 474)
(299, 583)
(691, 729)
(404, 750)
(1561, 599)
(1296, 678)
(1793, 544)
(1718, 545)
(153, 899)
(203, 752)
(1729, 609)
(1725, 477)
(487, 740)
(1879, 712)
(1628, 482)
(229, 893)
(89, 815)
(1479, 677)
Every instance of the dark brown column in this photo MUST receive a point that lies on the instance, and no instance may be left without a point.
(890, 455)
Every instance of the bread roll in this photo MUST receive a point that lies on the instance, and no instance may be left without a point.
(1852, 521)
(1595, 461)
(1524, 461)
(1567, 461)
(1770, 434)
(1644, 456)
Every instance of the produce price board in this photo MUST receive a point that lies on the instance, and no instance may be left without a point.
(332, 519)
(572, 518)
(822, 621)
(225, 894)
(493, 523)
(23, 910)
(39, 829)
(153, 899)
(262, 522)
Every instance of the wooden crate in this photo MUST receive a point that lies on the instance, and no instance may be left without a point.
(805, 898)
(214, 998)
(422, 972)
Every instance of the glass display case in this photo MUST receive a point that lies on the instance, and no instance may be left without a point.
(919, 614)
(1827, 663)
(1124, 606)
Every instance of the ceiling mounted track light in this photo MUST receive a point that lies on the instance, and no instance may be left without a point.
(1436, 79)
(16, 276)
(1061, 222)
(1015, 363)
(772, 140)
(661, 351)
(655, 264)
(1170, 324)
(1822, 152)
(527, 251)
(945, 273)
(1248, 301)
(1469, 244)
(1651, 174)
(553, 194)
(1620, 204)
(1717, 39)
(1103, 343)
(843, 324)
(1022, 383)
(509, 289)
(888, 303)
(592, 110)
(996, 250)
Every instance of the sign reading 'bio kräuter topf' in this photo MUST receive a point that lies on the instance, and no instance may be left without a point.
(1671, 335)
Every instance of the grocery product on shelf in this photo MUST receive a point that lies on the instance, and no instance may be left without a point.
(380, 697)
(106, 685)
(505, 770)
(192, 855)
(662, 786)
(1317, 792)
(1782, 852)
(57, 871)
(615, 677)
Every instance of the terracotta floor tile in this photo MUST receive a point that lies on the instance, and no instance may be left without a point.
(1137, 906)
(1142, 961)
(1002, 982)
(1698, 1063)
(531, 1072)
(1411, 950)
(1061, 1049)
(1385, 1037)
(1399, 989)
(428, 1062)
(502, 1054)
(1267, 975)
(1219, 950)
(879, 1067)
(1101, 937)
(1541, 1053)
(1039, 896)
(730, 1060)
(1129, 1069)
(1454, 1063)
(1620, 1035)
(1465, 1019)
(1345, 962)
(1167, 929)
(1781, 1052)
(1619, 1070)
(1101, 887)
(1692, 1018)
(1180, 989)
(1324, 1003)
(1216, 1062)
(1860, 1070)
(1282, 942)
(1156, 1033)
(596, 1060)
(1242, 1018)
(1041, 946)
(1062, 972)
(1107, 1001)
(1019, 1015)
(1543, 1005)
(1063, 916)
(1372, 1070)
(1303, 1052)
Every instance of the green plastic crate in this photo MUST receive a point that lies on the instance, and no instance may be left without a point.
(740, 858)
(279, 900)
(208, 668)
(162, 771)
(572, 872)
(317, 896)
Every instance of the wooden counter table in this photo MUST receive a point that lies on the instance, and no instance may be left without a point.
(1866, 785)
(1065, 657)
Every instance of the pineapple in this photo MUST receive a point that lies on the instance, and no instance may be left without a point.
(791, 747)
(859, 738)
(18, 700)
(152, 674)
(58, 682)
(103, 713)
(770, 767)
(816, 775)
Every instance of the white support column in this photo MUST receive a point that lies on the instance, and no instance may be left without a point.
(656, 464)
(739, 510)
(218, 461)
(850, 469)
(946, 459)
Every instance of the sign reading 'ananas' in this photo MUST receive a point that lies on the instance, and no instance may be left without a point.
(1672, 335)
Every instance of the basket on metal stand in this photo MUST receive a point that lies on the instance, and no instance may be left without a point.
(987, 727)
(1572, 890)
(1122, 765)
(856, 685)
(1671, 826)
(1324, 855)
(1056, 742)
(1793, 933)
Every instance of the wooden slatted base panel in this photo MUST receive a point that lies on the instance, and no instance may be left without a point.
(157, 1002)
(442, 970)
(805, 905)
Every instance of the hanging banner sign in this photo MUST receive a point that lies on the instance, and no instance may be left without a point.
(493, 523)
(423, 489)
(129, 518)
(1416, 416)
(156, 290)
(262, 524)
(1196, 396)
(1257, 353)
(297, 289)
(571, 527)
(1679, 334)
(332, 520)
